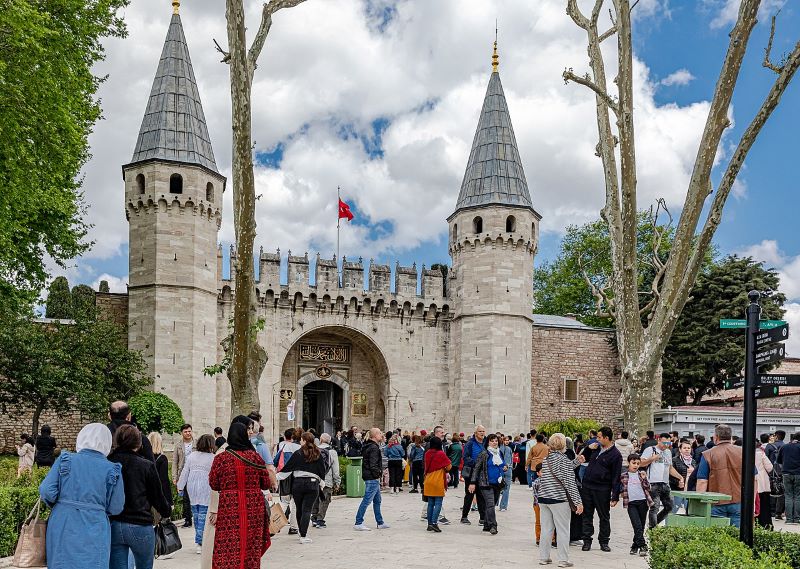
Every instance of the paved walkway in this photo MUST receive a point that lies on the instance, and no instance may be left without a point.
(407, 544)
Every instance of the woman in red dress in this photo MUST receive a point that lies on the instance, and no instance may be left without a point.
(242, 531)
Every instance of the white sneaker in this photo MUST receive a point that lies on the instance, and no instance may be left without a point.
(199, 549)
(565, 564)
(384, 526)
(305, 540)
(168, 556)
(361, 527)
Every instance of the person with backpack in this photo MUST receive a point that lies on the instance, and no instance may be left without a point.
(307, 470)
(286, 448)
(416, 455)
(333, 479)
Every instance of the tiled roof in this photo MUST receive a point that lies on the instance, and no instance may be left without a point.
(174, 126)
(494, 172)
(553, 320)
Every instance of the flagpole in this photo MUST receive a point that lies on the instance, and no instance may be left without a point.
(338, 221)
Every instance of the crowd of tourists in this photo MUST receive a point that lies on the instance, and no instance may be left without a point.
(118, 484)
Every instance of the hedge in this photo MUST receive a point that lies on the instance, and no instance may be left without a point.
(16, 503)
(720, 548)
(569, 427)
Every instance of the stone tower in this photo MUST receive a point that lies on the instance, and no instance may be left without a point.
(492, 241)
(173, 203)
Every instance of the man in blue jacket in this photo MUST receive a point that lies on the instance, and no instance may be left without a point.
(472, 449)
(600, 488)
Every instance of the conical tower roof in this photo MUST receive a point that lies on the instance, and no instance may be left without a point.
(494, 172)
(174, 126)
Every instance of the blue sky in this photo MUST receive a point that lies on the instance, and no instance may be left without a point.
(382, 98)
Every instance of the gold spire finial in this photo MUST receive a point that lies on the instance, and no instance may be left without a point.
(175, 6)
(495, 57)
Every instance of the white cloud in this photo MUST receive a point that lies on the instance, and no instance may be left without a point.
(115, 284)
(788, 267)
(727, 11)
(767, 251)
(680, 77)
(330, 66)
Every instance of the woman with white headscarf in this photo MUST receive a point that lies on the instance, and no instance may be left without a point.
(83, 489)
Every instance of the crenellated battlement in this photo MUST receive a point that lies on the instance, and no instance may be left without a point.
(328, 293)
(172, 204)
(497, 241)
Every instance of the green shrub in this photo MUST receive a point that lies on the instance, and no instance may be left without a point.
(16, 503)
(156, 412)
(569, 426)
(344, 462)
(711, 548)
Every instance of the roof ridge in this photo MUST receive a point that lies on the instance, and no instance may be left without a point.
(174, 125)
(494, 173)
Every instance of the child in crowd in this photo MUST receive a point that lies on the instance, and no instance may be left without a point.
(536, 485)
(636, 499)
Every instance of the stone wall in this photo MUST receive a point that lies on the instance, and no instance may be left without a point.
(65, 428)
(585, 354)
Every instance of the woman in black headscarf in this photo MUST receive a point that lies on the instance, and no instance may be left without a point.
(240, 475)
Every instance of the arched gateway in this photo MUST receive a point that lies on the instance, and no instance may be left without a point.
(337, 377)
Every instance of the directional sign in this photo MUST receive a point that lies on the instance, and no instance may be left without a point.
(734, 383)
(770, 355)
(764, 392)
(771, 336)
(789, 380)
(742, 323)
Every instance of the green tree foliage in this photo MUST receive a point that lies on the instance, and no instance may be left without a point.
(59, 299)
(47, 51)
(569, 427)
(83, 305)
(156, 412)
(65, 367)
(700, 356)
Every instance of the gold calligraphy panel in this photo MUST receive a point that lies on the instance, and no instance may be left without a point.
(359, 404)
(324, 353)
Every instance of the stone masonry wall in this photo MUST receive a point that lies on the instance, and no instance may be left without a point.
(584, 354)
(65, 428)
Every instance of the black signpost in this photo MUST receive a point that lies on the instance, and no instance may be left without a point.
(759, 351)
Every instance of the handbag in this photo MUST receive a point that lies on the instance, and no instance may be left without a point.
(31, 550)
(572, 505)
(775, 484)
(167, 538)
(277, 518)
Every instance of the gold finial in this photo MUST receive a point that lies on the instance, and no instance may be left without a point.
(175, 6)
(495, 57)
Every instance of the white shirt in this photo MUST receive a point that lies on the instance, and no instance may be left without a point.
(187, 448)
(635, 490)
(658, 470)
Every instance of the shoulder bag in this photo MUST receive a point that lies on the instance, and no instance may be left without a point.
(31, 550)
(572, 505)
(167, 538)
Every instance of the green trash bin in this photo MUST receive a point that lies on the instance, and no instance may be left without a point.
(355, 483)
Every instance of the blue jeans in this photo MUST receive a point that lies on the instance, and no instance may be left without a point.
(139, 540)
(678, 502)
(732, 511)
(791, 485)
(531, 477)
(199, 517)
(434, 509)
(505, 493)
(372, 494)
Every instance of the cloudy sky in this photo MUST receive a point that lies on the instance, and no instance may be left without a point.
(382, 98)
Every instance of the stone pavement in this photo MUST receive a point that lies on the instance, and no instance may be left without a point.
(407, 544)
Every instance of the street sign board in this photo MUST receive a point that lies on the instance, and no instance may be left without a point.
(742, 323)
(734, 383)
(788, 380)
(767, 391)
(773, 335)
(770, 355)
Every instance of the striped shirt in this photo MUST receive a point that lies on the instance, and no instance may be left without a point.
(194, 477)
(558, 474)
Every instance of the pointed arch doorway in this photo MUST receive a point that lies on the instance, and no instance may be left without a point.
(323, 403)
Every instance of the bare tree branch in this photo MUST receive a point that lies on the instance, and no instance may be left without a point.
(226, 56)
(263, 30)
(600, 295)
(607, 34)
(569, 75)
(767, 63)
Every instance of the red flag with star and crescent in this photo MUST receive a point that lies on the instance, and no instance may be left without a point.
(344, 211)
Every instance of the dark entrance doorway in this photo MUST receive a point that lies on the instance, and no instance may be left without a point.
(323, 403)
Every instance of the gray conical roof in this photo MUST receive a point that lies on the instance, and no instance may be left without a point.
(494, 172)
(174, 126)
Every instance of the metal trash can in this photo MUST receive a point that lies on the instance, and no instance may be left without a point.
(355, 482)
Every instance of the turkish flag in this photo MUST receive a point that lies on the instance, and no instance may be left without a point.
(344, 211)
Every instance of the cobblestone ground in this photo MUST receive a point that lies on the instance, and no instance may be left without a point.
(407, 543)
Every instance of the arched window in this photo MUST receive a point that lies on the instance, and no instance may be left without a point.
(210, 192)
(140, 183)
(455, 232)
(176, 184)
(477, 225)
(511, 224)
